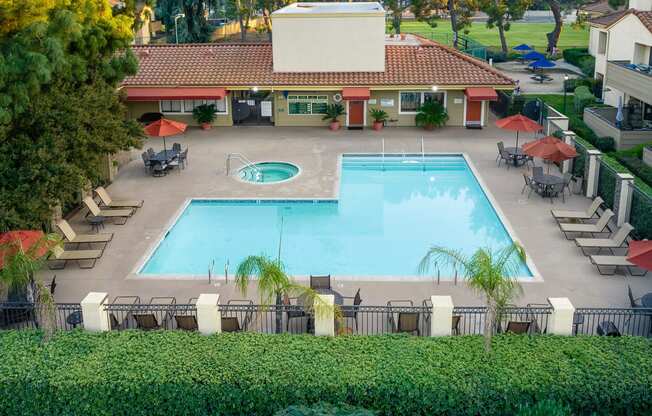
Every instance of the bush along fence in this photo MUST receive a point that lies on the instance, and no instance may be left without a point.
(436, 316)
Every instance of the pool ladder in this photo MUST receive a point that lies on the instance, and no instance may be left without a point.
(246, 162)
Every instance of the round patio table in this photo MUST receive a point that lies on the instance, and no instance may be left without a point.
(547, 181)
(646, 300)
(516, 153)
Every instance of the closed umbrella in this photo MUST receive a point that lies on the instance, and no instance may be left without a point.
(619, 114)
(550, 148)
(518, 123)
(640, 253)
(164, 128)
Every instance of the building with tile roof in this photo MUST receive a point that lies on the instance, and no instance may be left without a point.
(321, 53)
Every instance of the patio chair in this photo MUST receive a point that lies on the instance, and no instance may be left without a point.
(567, 178)
(578, 215)
(633, 302)
(230, 324)
(555, 190)
(607, 329)
(613, 263)
(407, 321)
(146, 322)
(146, 161)
(292, 313)
(108, 213)
(183, 158)
(351, 311)
(74, 238)
(503, 155)
(245, 318)
(151, 152)
(616, 240)
(455, 327)
(186, 322)
(529, 183)
(115, 324)
(596, 228)
(320, 282)
(518, 327)
(60, 255)
(176, 147)
(537, 172)
(112, 203)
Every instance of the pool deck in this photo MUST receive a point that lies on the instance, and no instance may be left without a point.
(564, 270)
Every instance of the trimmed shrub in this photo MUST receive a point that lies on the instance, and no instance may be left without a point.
(583, 97)
(325, 409)
(605, 144)
(636, 166)
(580, 58)
(545, 408)
(173, 372)
(572, 83)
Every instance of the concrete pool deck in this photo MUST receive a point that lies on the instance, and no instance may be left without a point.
(565, 271)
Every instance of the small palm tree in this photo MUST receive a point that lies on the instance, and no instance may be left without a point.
(487, 272)
(430, 115)
(274, 284)
(333, 112)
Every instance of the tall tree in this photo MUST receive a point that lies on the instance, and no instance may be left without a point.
(193, 27)
(460, 12)
(396, 8)
(59, 110)
(500, 14)
(242, 11)
(267, 7)
(553, 36)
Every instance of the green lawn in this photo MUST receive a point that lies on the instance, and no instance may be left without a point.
(530, 33)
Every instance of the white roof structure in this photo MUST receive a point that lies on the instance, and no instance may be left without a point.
(308, 8)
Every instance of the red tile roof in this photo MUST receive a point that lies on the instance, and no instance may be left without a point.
(605, 21)
(233, 65)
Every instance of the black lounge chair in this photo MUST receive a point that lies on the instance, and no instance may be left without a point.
(320, 282)
(406, 322)
(518, 327)
(292, 313)
(351, 311)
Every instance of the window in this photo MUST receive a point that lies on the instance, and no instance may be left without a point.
(411, 101)
(186, 106)
(602, 43)
(307, 104)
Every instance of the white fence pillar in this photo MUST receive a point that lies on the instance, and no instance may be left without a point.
(593, 172)
(623, 196)
(561, 319)
(209, 317)
(95, 317)
(325, 315)
(569, 139)
(441, 318)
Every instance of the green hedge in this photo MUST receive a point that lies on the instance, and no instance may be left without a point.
(172, 372)
(580, 57)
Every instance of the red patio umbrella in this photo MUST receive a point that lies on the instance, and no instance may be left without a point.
(29, 241)
(163, 128)
(518, 123)
(550, 148)
(640, 253)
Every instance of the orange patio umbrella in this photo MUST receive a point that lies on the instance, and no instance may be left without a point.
(31, 242)
(518, 123)
(164, 128)
(640, 253)
(550, 148)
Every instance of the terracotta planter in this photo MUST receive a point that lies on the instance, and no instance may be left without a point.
(402, 36)
(429, 127)
(334, 125)
(378, 125)
(206, 126)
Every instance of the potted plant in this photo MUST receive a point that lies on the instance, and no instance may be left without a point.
(379, 116)
(205, 115)
(430, 115)
(333, 111)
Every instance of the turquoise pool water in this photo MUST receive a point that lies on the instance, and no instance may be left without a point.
(268, 172)
(387, 216)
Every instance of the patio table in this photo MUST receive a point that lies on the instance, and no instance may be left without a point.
(516, 153)
(547, 181)
(164, 156)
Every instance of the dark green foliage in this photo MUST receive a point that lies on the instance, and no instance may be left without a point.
(572, 83)
(580, 57)
(499, 56)
(579, 163)
(605, 144)
(205, 113)
(641, 215)
(325, 409)
(607, 185)
(193, 28)
(431, 114)
(583, 97)
(637, 166)
(173, 372)
(544, 408)
(333, 112)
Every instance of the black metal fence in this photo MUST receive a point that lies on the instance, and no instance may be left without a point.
(613, 321)
(470, 320)
(152, 316)
(377, 320)
(25, 315)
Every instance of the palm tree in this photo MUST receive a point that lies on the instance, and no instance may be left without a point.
(274, 284)
(430, 115)
(488, 272)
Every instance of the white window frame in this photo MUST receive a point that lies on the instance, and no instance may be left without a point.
(306, 100)
(183, 107)
(421, 94)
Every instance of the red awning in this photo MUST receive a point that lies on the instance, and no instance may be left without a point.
(481, 94)
(174, 93)
(349, 93)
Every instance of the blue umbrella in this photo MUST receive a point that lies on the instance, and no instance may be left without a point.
(542, 63)
(522, 47)
(534, 56)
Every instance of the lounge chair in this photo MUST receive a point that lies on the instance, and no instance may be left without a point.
(613, 263)
(186, 322)
(578, 215)
(146, 322)
(108, 213)
(111, 203)
(518, 327)
(616, 240)
(407, 321)
(320, 282)
(230, 324)
(598, 227)
(351, 311)
(455, 327)
(60, 255)
(291, 312)
(74, 238)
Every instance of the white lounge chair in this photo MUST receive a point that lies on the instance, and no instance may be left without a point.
(613, 263)
(108, 213)
(74, 238)
(112, 203)
(61, 255)
(616, 240)
(578, 215)
(598, 227)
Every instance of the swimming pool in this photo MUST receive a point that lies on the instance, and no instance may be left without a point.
(389, 212)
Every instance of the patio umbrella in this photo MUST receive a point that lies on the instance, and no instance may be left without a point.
(163, 128)
(519, 123)
(550, 148)
(522, 48)
(640, 253)
(28, 241)
(534, 55)
(619, 114)
(542, 63)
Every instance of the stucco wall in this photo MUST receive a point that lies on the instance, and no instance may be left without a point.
(137, 108)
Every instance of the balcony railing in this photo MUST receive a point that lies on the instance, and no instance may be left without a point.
(642, 69)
